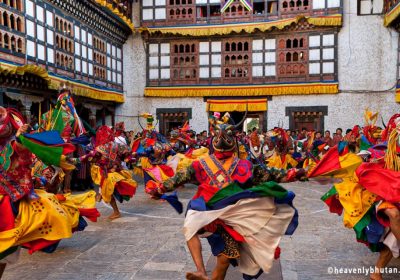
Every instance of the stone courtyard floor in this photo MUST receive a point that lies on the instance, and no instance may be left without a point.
(147, 243)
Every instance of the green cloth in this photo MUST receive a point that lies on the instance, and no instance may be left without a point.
(330, 193)
(265, 189)
(7, 252)
(50, 155)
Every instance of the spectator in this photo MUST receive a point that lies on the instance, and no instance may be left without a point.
(328, 139)
(303, 134)
(338, 136)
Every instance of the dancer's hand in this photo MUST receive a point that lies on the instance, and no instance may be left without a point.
(22, 130)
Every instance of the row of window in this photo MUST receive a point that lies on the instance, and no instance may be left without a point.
(58, 41)
(11, 20)
(11, 42)
(299, 56)
(16, 4)
(188, 10)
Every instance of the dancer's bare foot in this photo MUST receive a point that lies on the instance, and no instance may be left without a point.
(196, 276)
(114, 216)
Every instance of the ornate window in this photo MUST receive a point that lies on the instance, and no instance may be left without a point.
(184, 62)
(235, 10)
(295, 6)
(236, 60)
(159, 61)
(181, 10)
(293, 56)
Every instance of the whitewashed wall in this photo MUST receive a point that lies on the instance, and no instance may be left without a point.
(367, 76)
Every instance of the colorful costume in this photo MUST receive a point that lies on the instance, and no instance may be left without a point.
(242, 217)
(36, 220)
(107, 170)
(366, 190)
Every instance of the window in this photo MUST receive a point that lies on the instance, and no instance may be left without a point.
(50, 55)
(324, 4)
(184, 59)
(41, 52)
(30, 48)
(264, 58)
(50, 37)
(30, 28)
(181, 10)
(293, 56)
(39, 13)
(295, 6)
(369, 7)
(30, 8)
(236, 9)
(322, 55)
(236, 60)
(154, 10)
(210, 59)
(49, 18)
(40, 33)
(159, 61)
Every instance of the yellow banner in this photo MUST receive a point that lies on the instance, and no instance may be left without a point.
(55, 82)
(252, 90)
(109, 6)
(224, 29)
(239, 105)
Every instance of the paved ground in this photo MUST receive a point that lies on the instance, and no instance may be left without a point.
(147, 244)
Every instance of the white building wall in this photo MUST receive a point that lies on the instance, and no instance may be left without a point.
(367, 62)
(134, 68)
(199, 121)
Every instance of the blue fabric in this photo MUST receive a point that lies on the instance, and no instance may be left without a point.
(341, 146)
(173, 200)
(82, 224)
(295, 220)
(374, 230)
(197, 204)
(33, 195)
(47, 137)
(43, 180)
(293, 223)
(217, 243)
(50, 249)
(140, 149)
(287, 199)
(81, 140)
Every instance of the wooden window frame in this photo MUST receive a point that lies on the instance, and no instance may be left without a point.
(372, 7)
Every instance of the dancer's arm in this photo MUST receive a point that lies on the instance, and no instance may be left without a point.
(181, 177)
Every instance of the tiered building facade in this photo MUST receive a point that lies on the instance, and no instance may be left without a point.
(317, 64)
(48, 45)
(292, 63)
